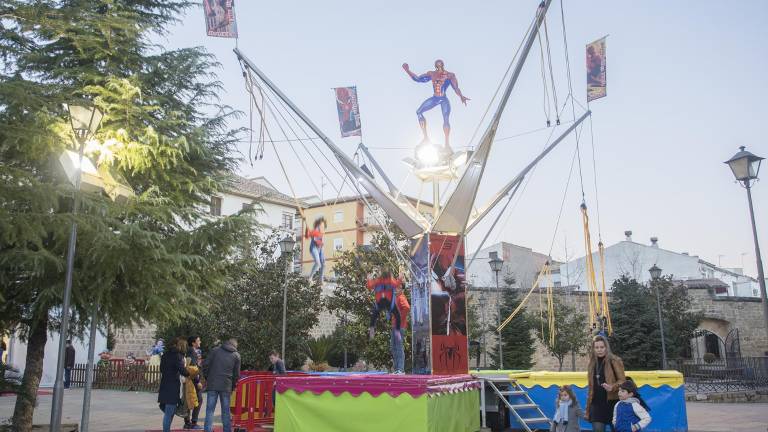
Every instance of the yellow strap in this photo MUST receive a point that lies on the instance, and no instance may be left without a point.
(525, 299)
(606, 310)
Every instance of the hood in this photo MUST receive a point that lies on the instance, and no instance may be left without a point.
(228, 347)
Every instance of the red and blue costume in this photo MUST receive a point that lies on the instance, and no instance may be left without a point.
(385, 289)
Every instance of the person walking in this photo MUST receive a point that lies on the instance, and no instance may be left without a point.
(605, 374)
(193, 349)
(171, 369)
(278, 366)
(69, 363)
(221, 370)
(397, 341)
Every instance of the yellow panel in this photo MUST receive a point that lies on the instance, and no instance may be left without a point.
(547, 379)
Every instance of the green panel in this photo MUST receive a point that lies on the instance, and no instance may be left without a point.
(308, 412)
(454, 412)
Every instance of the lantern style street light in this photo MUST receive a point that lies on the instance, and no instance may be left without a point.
(286, 250)
(84, 120)
(746, 167)
(496, 264)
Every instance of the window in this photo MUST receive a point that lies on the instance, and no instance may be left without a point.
(287, 221)
(216, 206)
(338, 216)
(247, 206)
(338, 244)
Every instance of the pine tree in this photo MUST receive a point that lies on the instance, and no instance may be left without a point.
(635, 325)
(517, 337)
(156, 256)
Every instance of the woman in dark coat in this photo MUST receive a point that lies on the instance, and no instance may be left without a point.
(171, 368)
(605, 374)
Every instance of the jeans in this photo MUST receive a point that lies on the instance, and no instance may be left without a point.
(398, 350)
(210, 406)
(168, 411)
(67, 377)
(319, 258)
(601, 427)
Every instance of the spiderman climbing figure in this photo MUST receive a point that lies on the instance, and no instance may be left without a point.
(441, 79)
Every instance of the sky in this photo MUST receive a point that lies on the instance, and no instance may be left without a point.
(686, 88)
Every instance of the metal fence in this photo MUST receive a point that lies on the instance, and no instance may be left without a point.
(723, 375)
(119, 376)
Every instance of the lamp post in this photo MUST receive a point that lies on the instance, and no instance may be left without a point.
(84, 121)
(745, 167)
(655, 275)
(496, 264)
(286, 249)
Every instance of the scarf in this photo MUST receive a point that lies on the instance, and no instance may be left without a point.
(562, 412)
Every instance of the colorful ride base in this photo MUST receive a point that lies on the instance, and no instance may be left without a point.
(377, 403)
(663, 391)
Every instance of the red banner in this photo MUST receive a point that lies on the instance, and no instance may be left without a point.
(349, 111)
(220, 18)
(596, 76)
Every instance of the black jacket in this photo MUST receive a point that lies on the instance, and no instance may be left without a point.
(69, 357)
(171, 367)
(222, 368)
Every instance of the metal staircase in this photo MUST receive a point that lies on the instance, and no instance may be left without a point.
(524, 409)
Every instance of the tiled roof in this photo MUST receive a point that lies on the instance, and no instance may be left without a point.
(253, 189)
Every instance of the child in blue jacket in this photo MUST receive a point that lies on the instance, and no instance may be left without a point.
(631, 412)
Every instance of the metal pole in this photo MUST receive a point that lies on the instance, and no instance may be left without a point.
(661, 328)
(498, 320)
(435, 198)
(760, 274)
(58, 386)
(285, 302)
(85, 418)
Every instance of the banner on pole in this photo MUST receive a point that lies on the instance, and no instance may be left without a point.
(220, 18)
(349, 111)
(596, 77)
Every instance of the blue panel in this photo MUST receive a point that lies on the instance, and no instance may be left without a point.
(667, 406)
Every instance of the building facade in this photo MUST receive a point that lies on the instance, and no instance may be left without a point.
(634, 259)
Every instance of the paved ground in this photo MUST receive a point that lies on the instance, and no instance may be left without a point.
(117, 411)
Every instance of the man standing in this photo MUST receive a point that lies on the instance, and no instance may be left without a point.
(441, 79)
(222, 370)
(193, 346)
(397, 344)
(69, 364)
(278, 366)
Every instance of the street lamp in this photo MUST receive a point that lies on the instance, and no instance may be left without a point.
(655, 272)
(84, 120)
(482, 303)
(745, 167)
(496, 264)
(286, 250)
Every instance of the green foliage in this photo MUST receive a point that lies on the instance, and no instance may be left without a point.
(352, 297)
(634, 313)
(319, 349)
(517, 337)
(156, 256)
(342, 340)
(250, 309)
(571, 332)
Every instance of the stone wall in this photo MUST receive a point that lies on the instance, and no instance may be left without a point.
(136, 339)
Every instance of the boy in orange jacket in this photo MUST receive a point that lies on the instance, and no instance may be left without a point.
(384, 288)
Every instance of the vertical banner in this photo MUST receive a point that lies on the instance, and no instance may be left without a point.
(596, 77)
(349, 111)
(220, 18)
(420, 287)
(450, 353)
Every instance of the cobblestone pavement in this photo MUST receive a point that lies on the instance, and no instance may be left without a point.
(119, 411)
